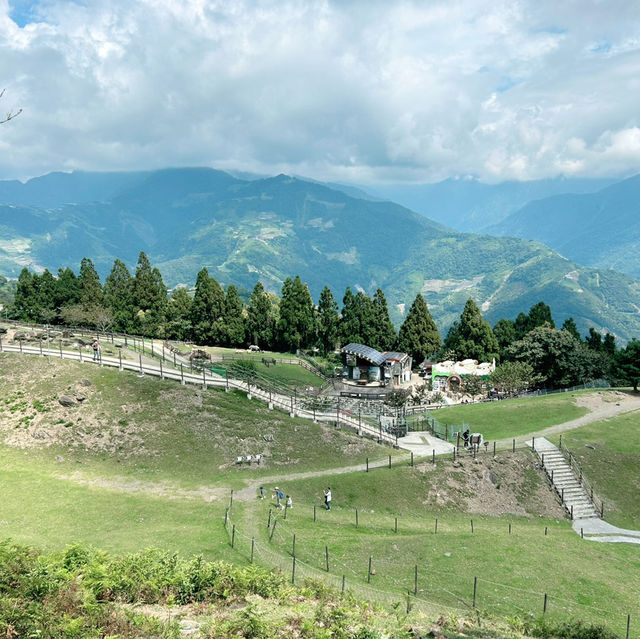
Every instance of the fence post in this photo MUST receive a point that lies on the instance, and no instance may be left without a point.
(293, 571)
(326, 559)
(356, 517)
(494, 449)
(293, 546)
(415, 581)
(314, 513)
(140, 360)
(628, 625)
(433, 456)
(395, 527)
(269, 519)
(161, 371)
(513, 450)
(475, 590)
(472, 525)
(369, 571)
(435, 532)
(389, 461)
(60, 343)
(253, 543)
(344, 579)
(544, 605)
(367, 464)
(411, 459)
(275, 523)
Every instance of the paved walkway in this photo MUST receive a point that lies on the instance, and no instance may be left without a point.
(423, 443)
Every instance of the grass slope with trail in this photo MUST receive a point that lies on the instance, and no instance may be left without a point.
(141, 462)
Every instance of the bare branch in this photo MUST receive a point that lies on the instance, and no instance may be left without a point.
(11, 114)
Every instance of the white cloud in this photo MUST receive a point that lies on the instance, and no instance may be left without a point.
(340, 90)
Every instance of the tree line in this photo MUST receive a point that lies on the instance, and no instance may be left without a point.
(529, 348)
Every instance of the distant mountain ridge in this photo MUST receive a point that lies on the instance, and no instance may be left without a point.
(272, 228)
(469, 205)
(598, 229)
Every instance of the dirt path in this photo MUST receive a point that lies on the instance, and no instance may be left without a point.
(601, 405)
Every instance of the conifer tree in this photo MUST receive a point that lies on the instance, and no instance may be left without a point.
(260, 318)
(233, 320)
(179, 314)
(25, 301)
(350, 321)
(627, 363)
(472, 337)
(89, 285)
(328, 320)
(149, 298)
(67, 288)
(364, 311)
(418, 334)
(570, 326)
(385, 333)
(207, 309)
(539, 315)
(296, 324)
(118, 296)
(505, 333)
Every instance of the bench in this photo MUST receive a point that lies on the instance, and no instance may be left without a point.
(248, 459)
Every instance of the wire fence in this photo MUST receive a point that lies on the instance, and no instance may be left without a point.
(407, 583)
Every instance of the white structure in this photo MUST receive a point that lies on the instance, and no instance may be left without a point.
(444, 374)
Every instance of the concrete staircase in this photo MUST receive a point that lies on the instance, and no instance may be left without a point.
(573, 496)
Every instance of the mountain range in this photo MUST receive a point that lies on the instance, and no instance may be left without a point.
(243, 230)
(599, 229)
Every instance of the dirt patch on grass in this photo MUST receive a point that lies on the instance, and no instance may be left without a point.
(157, 489)
(510, 484)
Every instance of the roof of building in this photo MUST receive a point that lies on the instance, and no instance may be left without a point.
(366, 352)
(394, 356)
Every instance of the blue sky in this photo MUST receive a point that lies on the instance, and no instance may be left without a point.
(363, 91)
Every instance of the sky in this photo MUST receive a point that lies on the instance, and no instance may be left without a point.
(364, 91)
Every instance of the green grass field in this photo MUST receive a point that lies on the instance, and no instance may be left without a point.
(143, 462)
(513, 417)
(609, 454)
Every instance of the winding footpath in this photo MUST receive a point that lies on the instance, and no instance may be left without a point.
(423, 444)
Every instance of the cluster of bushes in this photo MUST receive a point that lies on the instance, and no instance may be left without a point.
(86, 593)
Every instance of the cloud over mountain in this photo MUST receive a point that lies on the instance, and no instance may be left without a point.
(360, 91)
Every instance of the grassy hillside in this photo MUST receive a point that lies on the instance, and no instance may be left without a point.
(141, 462)
(609, 453)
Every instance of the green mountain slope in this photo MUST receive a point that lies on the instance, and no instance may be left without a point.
(272, 228)
(600, 229)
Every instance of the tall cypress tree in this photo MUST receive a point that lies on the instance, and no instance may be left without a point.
(91, 294)
(418, 334)
(296, 325)
(207, 309)
(260, 319)
(234, 325)
(571, 328)
(149, 297)
(350, 321)
(539, 315)
(118, 296)
(472, 337)
(328, 320)
(179, 314)
(67, 288)
(385, 333)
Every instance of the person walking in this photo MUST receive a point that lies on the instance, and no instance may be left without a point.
(327, 498)
(262, 492)
(289, 502)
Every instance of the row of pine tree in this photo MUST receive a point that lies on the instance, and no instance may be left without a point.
(140, 304)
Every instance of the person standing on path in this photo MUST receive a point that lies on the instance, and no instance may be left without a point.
(262, 492)
(289, 502)
(96, 351)
(327, 498)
